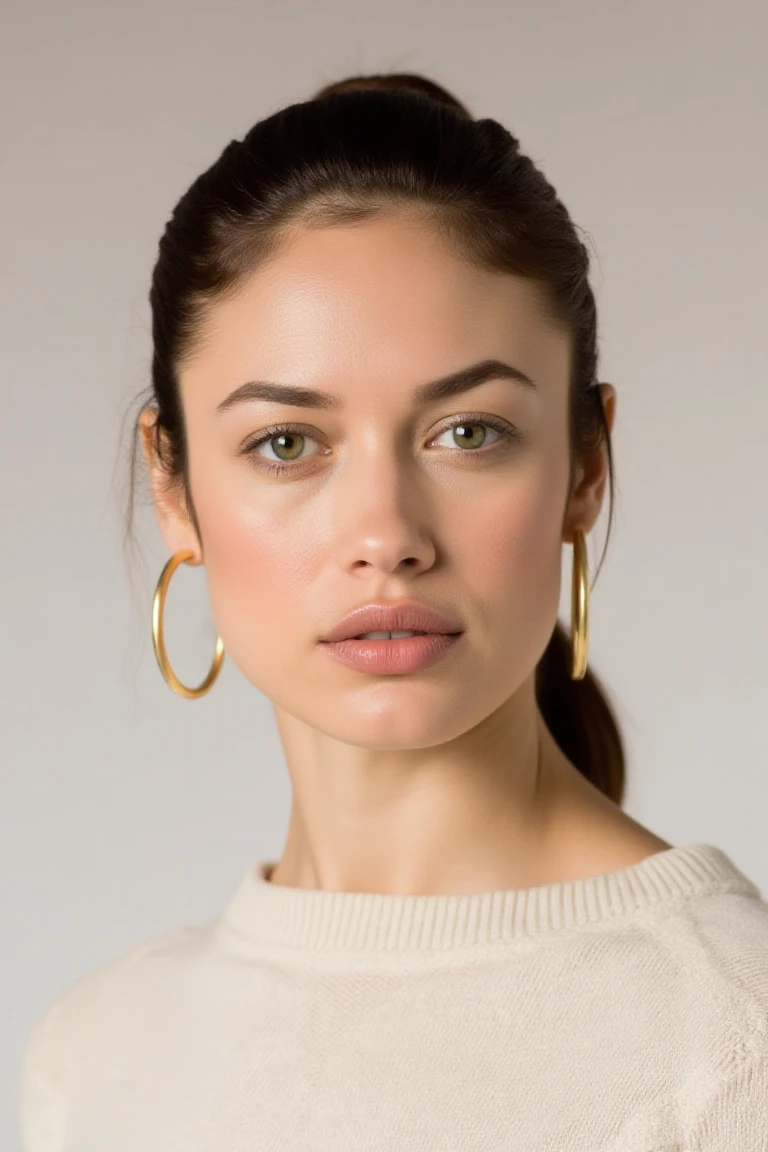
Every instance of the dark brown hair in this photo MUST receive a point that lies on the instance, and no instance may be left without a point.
(358, 146)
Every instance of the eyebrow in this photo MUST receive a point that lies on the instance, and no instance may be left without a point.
(440, 389)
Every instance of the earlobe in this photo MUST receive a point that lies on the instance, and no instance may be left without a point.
(592, 477)
(173, 521)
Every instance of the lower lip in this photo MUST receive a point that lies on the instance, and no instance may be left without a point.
(390, 657)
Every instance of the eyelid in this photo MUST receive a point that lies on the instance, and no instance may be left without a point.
(488, 418)
(279, 428)
(507, 431)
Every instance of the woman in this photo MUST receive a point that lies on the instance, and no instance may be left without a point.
(375, 412)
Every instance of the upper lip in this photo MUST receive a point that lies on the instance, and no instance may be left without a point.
(405, 615)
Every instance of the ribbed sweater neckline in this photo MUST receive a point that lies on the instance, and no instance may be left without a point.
(266, 915)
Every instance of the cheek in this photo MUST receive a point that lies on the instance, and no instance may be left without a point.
(515, 565)
(519, 522)
(260, 565)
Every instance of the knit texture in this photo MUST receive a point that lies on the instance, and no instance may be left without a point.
(620, 1012)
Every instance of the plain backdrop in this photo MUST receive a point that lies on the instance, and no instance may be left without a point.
(128, 811)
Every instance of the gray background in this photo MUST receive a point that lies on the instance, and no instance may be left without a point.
(126, 810)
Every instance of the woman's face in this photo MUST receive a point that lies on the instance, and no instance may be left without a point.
(380, 497)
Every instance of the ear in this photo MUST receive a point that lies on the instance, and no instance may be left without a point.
(173, 519)
(592, 475)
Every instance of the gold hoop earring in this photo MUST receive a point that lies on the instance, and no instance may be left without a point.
(579, 606)
(158, 637)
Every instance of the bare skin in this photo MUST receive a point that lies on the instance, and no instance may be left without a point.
(447, 779)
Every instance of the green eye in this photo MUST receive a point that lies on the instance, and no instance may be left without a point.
(294, 446)
(465, 436)
(469, 434)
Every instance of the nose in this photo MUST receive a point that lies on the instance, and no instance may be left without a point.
(383, 517)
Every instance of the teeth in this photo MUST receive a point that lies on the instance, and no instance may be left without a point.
(388, 635)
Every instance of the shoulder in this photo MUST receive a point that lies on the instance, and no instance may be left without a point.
(714, 944)
(64, 1033)
(728, 932)
(715, 948)
(700, 968)
(92, 991)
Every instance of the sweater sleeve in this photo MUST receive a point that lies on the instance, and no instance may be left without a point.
(62, 1037)
(736, 1117)
(37, 1114)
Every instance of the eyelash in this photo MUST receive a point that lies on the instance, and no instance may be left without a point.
(508, 433)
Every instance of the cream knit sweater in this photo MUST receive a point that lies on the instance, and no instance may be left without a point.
(623, 1011)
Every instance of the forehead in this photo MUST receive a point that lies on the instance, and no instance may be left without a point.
(375, 302)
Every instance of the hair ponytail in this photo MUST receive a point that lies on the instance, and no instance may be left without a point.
(580, 718)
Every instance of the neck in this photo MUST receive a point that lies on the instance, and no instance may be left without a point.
(518, 815)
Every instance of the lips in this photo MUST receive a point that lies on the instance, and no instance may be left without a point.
(394, 634)
(405, 615)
